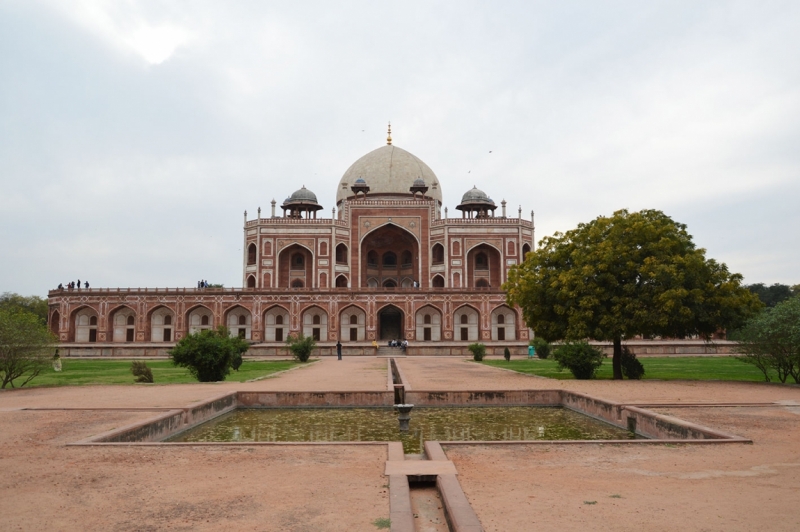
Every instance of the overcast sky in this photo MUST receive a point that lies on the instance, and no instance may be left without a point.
(134, 134)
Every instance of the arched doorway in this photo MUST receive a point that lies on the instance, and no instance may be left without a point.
(390, 323)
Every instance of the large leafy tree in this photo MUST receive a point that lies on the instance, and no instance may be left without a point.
(25, 346)
(625, 275)
(209, 354)
(771, 341)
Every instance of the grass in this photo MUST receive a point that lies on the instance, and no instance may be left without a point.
(80, 372)
(657, 368)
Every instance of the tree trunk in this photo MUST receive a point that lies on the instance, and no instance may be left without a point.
(617, 360)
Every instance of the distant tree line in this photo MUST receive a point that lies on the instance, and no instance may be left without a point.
(773, 294)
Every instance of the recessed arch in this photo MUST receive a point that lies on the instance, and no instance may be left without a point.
(239, 322)
(526, 248)
(504, 321)
(466, 323)
(295, 262)
(54, 322)
(198, 318)
(122, 324)
(83, 324)
(484, 263)
(251, 281)
(276, 324)
(252, 251)
(437, 254)
(352, 324)
(390, 251)
(315, 323)
(342, 254)
(437, 281)
(341, 281)
(429, 324)
(391, 320)
(161, 320)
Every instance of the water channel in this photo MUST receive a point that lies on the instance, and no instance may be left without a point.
(509, 423)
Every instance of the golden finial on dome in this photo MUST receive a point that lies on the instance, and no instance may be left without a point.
(389, 137)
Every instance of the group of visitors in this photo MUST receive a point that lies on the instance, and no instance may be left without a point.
(399, 343)
(202, 284)
(72, 285)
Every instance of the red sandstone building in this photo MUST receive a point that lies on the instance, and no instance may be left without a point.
(389, 264)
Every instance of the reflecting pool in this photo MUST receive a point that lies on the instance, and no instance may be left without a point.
(380, 424)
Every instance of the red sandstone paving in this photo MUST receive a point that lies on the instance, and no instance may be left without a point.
(48, 486)
(722, 487)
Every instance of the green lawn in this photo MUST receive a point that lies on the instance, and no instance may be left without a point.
(77, 372)
(661, 368)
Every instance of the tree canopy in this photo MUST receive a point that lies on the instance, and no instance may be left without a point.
(771, 341)
(773, 294)
(625, 275)
(25, 346)
(33, 304)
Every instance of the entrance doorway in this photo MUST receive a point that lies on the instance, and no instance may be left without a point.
(390, 323)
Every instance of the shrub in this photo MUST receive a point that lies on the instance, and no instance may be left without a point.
(543, 349)
(236, 361)
(478, 351)
(507, 354)
(208, 355)
(301, 346)
(631, 367)
(580, 358)
(141, 371)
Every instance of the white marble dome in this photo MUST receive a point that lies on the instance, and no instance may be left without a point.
(389, 170)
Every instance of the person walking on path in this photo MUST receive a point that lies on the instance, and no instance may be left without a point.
(339, 349)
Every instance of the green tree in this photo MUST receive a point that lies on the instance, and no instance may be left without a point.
(771, 341)
(33, 304)
(771, 295)
(208, 355)
(25, 346)
(301, 346)
(625, 275)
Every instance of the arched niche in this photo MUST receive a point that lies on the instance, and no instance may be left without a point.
(199, 318)
(84, 325)
(295, 263)
(504, 324)
(162, 325)
(484, 266)
(123, 324)
(276, 324)
(466, 324)
(315, 323)
(391, 322)
(392, 253)
(428, 321)
(352, 324)
(239, 322)
(252, 251)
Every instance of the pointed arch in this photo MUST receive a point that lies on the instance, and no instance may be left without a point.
(341, 281)
(428, 321)
(315, 323)
(239, 321)
(198, 318)
(252, 251)
(437, 254)
(437, 281)
(121, 328)
(83, 324)
(295, 262)
(160, 324)
(54, 322)
(504, 323)
(251, 281)
(352, 324)
(277, 323)
(391, 322)
(466, 323)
